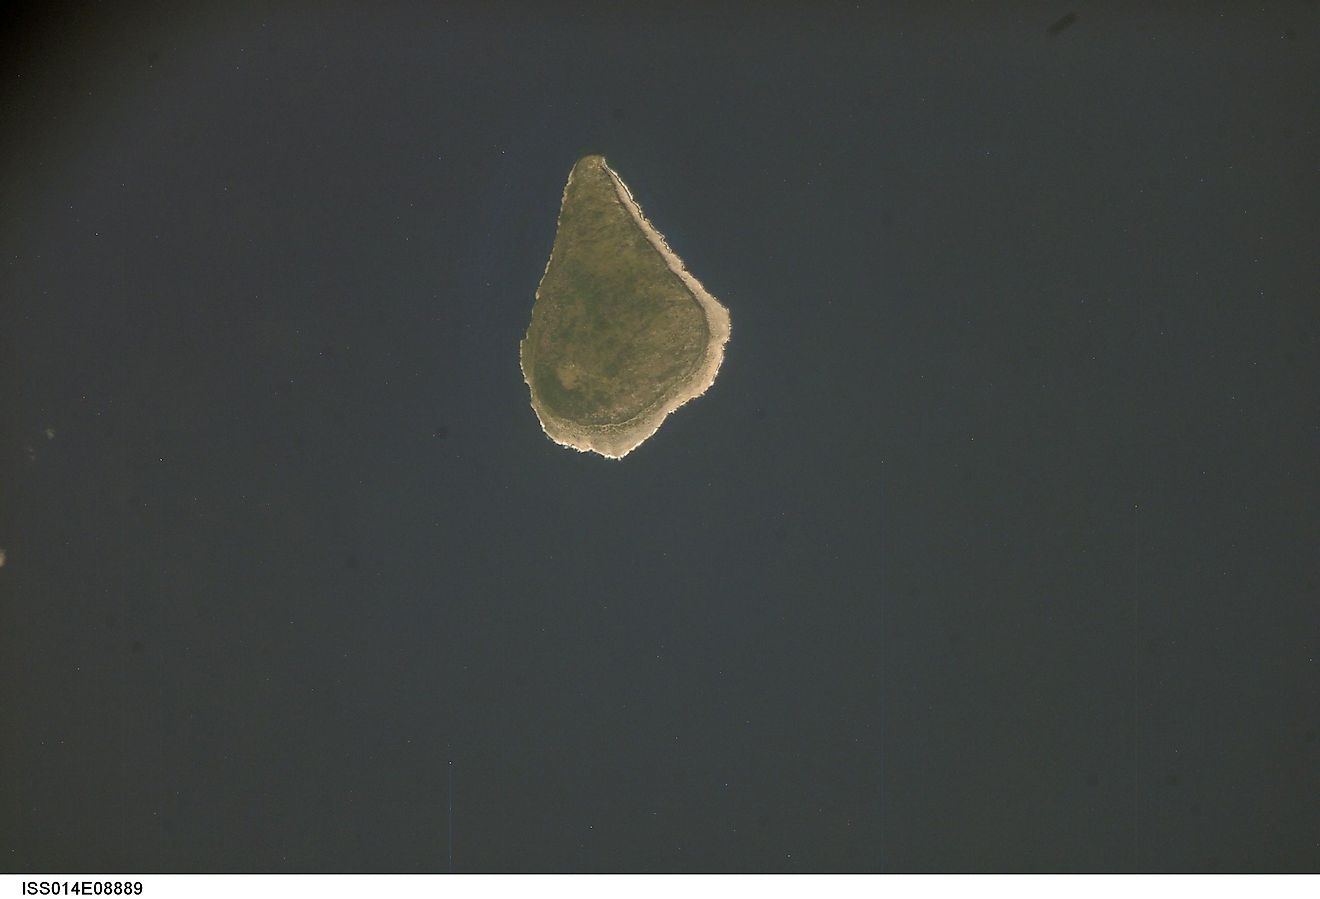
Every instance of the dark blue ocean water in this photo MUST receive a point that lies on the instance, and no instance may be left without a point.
(992, 546)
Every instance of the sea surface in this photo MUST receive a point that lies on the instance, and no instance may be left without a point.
(992, 547)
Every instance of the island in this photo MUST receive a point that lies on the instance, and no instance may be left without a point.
(621, 333)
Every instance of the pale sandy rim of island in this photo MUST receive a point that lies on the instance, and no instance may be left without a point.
(617, 440)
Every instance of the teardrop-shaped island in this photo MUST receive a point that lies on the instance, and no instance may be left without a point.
(621, 334)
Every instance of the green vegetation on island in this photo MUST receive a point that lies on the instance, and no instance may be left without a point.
(621, 334)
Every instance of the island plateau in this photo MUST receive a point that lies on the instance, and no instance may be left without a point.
(621, 334)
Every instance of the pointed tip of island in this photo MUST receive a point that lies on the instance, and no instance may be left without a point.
(621, 334)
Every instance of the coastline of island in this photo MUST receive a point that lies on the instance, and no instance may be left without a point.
(616, 440)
